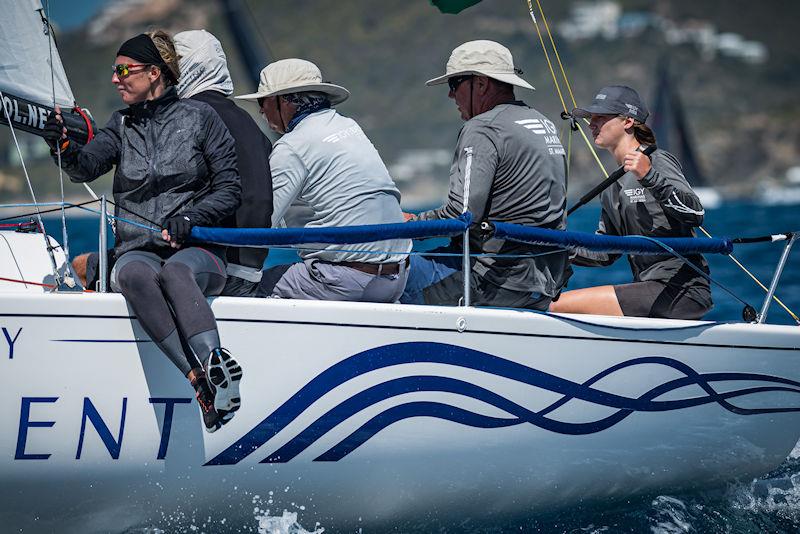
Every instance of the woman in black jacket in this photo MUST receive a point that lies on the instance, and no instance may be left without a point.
(175, 168)
(652, 199)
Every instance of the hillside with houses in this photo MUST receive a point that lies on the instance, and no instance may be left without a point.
(732, 63)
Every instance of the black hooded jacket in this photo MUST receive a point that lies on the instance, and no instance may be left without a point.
(172, 157)
(252, 153)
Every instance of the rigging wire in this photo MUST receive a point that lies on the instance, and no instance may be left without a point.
(555, 51)
(547, 57)
(590, 145)
(33, 213)
(757, 281)
(48, 32)
(30, 188)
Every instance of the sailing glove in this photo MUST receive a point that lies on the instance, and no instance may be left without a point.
(54, 132)
(178, 227)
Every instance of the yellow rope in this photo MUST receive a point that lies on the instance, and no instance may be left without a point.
(756, 280)
(592, 150)
(555, 51)
(547, 57)
(590, 145)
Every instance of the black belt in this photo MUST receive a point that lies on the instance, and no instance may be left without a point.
(374, 269)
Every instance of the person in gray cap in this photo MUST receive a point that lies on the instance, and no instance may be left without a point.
(325, 161)
(509, 165)
(653, 199)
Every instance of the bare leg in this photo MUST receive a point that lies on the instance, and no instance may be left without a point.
(79, 266)
(600, 300)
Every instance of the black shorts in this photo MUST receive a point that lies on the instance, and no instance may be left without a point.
(657, 299)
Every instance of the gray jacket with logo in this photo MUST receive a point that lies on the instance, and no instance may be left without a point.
(662, 204)
(172, 157)
(517, 175)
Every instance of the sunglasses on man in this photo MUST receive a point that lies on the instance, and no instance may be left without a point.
(124, 69)
(455, 81)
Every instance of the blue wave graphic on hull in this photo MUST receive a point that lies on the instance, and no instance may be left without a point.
(428, 352)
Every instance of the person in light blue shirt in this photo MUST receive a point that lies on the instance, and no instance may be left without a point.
(325, 162)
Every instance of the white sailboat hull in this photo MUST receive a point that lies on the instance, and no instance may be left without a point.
(368, 413)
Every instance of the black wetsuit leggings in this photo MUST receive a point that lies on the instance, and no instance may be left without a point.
(169, 299)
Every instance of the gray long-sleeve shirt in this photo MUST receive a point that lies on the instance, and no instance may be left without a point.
(517, 175)
(662, 204)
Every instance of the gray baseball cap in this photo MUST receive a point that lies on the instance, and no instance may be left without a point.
(615, 100)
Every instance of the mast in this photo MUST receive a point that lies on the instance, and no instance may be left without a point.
(253, 48)
(669, 124)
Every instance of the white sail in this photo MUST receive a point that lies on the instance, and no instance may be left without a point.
(25, 56)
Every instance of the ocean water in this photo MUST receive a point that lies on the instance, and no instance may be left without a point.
(768, 504)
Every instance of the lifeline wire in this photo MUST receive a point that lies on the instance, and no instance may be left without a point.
(757, 281)
(696, 269)
(32, 213)
(590, 145)
(430, 254)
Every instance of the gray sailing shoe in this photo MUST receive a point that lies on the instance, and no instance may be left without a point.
(224, 374)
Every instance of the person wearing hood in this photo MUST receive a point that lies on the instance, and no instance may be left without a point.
(174, 168)
(205, 77)
(509, 166)
(325, 161)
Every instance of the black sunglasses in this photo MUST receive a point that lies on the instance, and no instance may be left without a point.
(455, 81)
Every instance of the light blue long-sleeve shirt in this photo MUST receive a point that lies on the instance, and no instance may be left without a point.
(329, 165)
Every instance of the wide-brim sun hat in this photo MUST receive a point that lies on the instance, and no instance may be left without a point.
(482, 58)
(294, 76)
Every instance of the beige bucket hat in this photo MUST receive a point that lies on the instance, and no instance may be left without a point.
(294, 76)
(483, 58)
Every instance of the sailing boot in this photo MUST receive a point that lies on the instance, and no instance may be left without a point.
(224, 375)
(204, 393)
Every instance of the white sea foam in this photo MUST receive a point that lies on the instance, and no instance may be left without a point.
(671, 516)
(285, 524)
(795, 452)
(780, 496)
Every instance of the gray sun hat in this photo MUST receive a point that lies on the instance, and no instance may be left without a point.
(615, 100)
(482, 58)
(294, 76)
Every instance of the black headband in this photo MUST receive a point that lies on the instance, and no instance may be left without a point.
(141, 48)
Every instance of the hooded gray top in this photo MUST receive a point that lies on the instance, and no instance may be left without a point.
(517, 175)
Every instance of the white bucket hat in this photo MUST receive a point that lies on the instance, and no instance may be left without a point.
(294, 76)
(483, 58)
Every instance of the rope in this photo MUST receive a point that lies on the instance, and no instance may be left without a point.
(31, 214)
(555, 51)
(757, 281)
(593, 151)
(591, 145)
(696, 269)
(30, 187)
(48, 29)
(547, 57)
(40, 284)
(89, 130)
